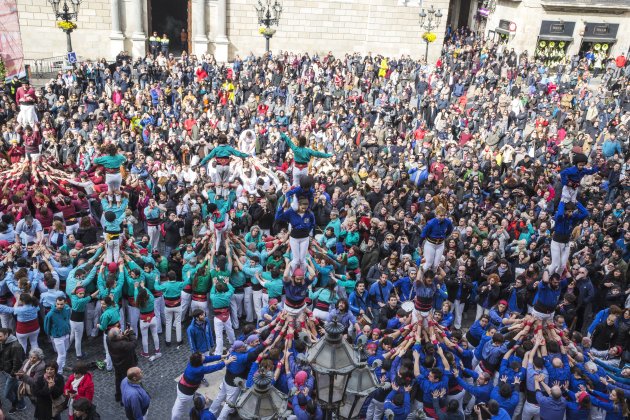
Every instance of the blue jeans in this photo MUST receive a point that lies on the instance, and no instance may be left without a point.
(11, 392)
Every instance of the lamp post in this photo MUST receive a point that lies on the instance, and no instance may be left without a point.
(268, 15)
(65, 15)
(333, 360)
(429, 20)
(262, 401)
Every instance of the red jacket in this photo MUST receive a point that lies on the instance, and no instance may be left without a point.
(85, 389)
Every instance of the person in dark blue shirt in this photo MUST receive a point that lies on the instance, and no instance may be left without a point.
(566, 219)
(302, 222)
(434, 234)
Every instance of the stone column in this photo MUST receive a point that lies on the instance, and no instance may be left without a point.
(221, 41)
(138, 35)
(199, 38)
(117, 39)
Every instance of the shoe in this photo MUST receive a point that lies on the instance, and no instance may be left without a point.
(22, 408)
(168, 344)
(204, 382)
(143, 354)
(13, 410)
(82, 357)
(156, 356)
(179, 343)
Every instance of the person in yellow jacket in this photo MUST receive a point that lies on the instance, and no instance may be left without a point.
(154, 43)
(383, 67)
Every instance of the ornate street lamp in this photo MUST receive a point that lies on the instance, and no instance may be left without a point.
(262, 401)
(361, 384)
(65, 14)
(333, 360)
(268, 16)
(429, 21)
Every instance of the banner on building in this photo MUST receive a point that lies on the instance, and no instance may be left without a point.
(11, 40)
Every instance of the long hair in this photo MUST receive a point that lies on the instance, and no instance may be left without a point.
(143, 297)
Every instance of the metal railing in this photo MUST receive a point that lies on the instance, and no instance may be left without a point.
(46, 67)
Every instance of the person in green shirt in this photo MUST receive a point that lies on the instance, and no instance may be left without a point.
(301, 156)
(220, 296)
(200, 285)
(79, 301)
(222, 154)
(172, 290)
(112, 161)
(148, 321)
(111, 314)
(323, 299)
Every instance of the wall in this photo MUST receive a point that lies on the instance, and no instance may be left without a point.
(529, 14)
(386, 27)
(42, 39)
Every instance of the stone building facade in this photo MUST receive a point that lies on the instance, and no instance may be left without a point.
(578, 24)
(226, 28)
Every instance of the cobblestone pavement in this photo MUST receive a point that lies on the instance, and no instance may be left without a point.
(159, 380)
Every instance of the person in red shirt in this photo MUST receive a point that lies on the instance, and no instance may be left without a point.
(620, 62)
(25, 96)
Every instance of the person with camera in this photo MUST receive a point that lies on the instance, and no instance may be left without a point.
(122, 350)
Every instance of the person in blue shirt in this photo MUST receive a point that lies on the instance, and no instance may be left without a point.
(199, 333)
(305, 408)
(358, 300)
(566, 219)
(399, 402)
(547, 296)
(434, 234)
(379, 294)
(57, 327)
(191, 379)
(135, 398)
(477, 330)
(302, 222)
(571, 177)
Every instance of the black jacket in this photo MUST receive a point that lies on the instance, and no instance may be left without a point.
(123, 352)
(453, 283)
(11, 356)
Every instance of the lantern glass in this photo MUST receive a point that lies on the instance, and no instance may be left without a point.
(361, 384)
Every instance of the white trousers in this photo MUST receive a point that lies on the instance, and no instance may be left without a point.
(236, 308)
(321, 315)
(76, 335)
(173, 316)
(559, 257)
(530, 411)
(7, 321)
(186, 299)
(108, 359)
(299, 251)
(154, 236)
(27, 115)
(160, 316)
(199, 305)
(31, 337)
(375, 410)
(480, 312)
(432, 255)
(61, 345)
(113, 182)
(248, 304)
(298, 173)
(182, 406)
(458, 311)
(226, 394)
(260, 301)
(145, 328)
(568, 194)
(133, 316)
(219, 327)
(112, 250)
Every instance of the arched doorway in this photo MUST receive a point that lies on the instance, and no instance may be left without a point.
(170, 17)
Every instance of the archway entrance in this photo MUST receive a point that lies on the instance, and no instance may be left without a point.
(170, 17)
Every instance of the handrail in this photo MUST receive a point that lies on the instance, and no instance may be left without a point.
(45, 66)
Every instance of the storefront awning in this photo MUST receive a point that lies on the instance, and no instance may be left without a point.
(599, 40)
(548, 37)
(502, 31)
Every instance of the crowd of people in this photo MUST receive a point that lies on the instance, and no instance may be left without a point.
(464, 220)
